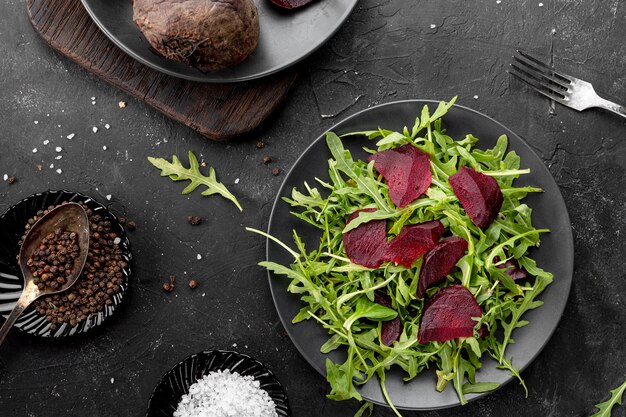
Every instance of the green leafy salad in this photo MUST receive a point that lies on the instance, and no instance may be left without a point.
(357, 303)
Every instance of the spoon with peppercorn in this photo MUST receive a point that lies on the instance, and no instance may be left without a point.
(52, 256)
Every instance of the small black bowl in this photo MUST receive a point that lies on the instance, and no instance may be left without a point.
(12, 224)
(175, 383)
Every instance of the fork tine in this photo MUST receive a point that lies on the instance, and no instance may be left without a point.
(566, 78)
(540, 88)
(542, 72)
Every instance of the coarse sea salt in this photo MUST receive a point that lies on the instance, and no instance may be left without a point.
(226, 394)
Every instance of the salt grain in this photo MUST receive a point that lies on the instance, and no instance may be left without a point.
(59, 171)
(112, 380)
(36, 122)
(108, 197)
(94, 129)
(117, 241)
(237, 181)
(226, 394)
(107, 126)
(45, 142)
(104, 148)
(58, 157)
(34, 150)
(51, 166)
(199, 256)
(58, 149)
(432, 26)
(6, 177)
(540, 4)
(475, 97)
(71, 136)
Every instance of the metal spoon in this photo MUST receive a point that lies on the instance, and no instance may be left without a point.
(70, 217)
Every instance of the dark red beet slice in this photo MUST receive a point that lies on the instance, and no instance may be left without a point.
(392, 329)
(407, 171)
(439, 262)
(367, 244)
(291, 4)
(479, 195)
(483, 331)
(413, 241)
(512, 267)
(448, 315)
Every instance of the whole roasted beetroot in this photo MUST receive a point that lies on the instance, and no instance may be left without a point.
(479, 195)
(407, 171)
(439, 262)
(366, 245)
(413, 241)
(291, 4)
(212, 34)
(448, 315)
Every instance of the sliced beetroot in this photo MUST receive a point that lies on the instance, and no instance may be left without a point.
(439, 262)
(392, 329)
(407, 171)
(483, 331)
(479, 195)
(413, 241)
(291, 4)
(448, 315)
(366, 245)
(513, 269)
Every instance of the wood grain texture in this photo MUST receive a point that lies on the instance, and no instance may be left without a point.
(217, 111)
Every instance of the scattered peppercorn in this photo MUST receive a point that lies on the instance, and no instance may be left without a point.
(267, 160)
(276, 171)
(169, 286)
(260, 145)
(193, 284)
(101, 280)
(122, 220)
(194, 220)
(131, 225)
(11, 179)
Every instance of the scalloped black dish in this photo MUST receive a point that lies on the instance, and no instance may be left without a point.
(12, 224)
(175, 383)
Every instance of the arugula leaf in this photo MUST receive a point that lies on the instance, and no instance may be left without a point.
(177, 172)
(368, 309)
(605, 408)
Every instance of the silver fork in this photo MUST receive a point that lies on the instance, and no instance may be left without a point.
(565, 89)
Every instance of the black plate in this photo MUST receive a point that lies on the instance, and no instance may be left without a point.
(556, 253)
(12, 224)
(285, 38)
(175, 383)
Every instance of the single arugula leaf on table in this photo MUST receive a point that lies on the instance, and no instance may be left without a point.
(177, 172)
(606, 407)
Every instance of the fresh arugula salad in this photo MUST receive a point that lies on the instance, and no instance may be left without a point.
(423, 257)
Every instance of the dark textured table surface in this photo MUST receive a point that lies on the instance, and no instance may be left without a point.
(388, 50)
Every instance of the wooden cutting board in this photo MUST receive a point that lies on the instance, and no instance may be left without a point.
(217, 111)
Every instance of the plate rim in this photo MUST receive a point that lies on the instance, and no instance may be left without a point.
(128, 51)
(569, 233)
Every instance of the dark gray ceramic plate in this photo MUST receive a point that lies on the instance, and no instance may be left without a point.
(286, 37)
(556, 253)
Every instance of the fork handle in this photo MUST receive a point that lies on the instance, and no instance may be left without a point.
(614, 107)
